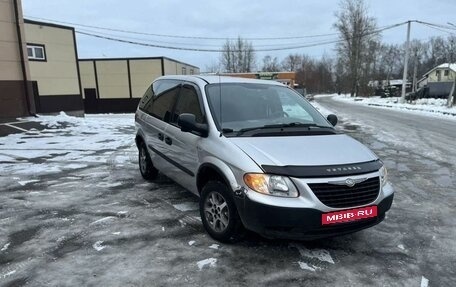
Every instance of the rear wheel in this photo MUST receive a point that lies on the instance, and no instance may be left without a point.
(147, 169)
(218, 212)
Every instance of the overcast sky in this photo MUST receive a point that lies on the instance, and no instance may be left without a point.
(253, 19)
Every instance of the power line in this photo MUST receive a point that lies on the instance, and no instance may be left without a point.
(200, 49)
(180, 43)
(181, 36)
(438, 27)
(300, 46)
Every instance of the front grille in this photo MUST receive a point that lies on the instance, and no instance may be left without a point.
(343, 196)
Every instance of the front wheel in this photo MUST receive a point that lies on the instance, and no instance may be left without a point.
(147, 169)
(218, 212)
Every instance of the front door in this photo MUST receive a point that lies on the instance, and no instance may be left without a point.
(90, 101)
(183, 149)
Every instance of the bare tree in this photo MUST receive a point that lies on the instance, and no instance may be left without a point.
(292, 62)
(356, 28)
(270, 64)
(213, 67)
(238, 56)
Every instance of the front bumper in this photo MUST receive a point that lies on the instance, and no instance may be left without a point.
(300, 223)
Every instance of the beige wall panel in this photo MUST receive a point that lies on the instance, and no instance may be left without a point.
(36, 33)
(10, 71)
(10, 63)
(170, 67)
(6, 11)
(87, 76)
(57, 86)
(8, 32)
(175, 68)
(112, 79)
(143, 73)
(58, 75)
(9, 51)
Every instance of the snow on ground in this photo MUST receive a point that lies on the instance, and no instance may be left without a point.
(67, 143)
(429, 107)
(211, 262)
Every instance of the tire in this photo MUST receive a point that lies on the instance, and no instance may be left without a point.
(219, 214)
(147, 169)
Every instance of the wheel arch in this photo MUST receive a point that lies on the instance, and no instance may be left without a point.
(212, 171)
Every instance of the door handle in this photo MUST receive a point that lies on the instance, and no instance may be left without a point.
(161, 136)
(168, 140)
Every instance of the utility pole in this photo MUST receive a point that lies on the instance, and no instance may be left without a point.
(407, 52)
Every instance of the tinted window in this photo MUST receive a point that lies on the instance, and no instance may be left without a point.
(188, 103)
(145, 99)
(159, 99)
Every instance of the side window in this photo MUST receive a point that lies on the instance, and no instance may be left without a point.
(146, 99)
(166, 92)
(188, 102)
(159, 99)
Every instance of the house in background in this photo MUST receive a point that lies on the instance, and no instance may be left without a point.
(113, 85)
(54, 72)
(287, 78)
(439, 80)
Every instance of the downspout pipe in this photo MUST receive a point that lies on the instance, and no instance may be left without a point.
(21, 52)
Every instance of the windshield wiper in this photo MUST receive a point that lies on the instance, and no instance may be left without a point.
(297, 124)
(294, 124)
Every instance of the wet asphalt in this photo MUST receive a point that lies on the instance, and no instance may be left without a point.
(103, 225)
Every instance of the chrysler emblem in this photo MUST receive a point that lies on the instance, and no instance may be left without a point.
(350, 182)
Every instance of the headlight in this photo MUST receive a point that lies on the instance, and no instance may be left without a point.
(383, 175)
(271, 184)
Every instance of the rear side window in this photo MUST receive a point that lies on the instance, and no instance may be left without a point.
(145, 99)
(159, 99)
(188, 102)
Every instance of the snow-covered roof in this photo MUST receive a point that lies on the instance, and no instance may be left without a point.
(443, 66)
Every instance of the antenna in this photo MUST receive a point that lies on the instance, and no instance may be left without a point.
(220, 102)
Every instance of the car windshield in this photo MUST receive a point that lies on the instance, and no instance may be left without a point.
(241, 106)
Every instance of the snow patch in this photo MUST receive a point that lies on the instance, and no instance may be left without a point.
(186, 206)
(319, 254)
(122, 213)
(9, 274)
(5, 247)
(163, 228)
(424, 281)
(98, 246)
(400, 246)
(182, 223)
(305, 266)
(107, 184)
(211, 262)
(191, 242)
(102, 220)
(24, 182)
(428, 107)
(214, 246)
(116, 233)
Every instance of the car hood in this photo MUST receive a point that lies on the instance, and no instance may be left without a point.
(304, 150)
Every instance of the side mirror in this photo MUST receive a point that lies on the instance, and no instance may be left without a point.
(332, 119)
(187, 123)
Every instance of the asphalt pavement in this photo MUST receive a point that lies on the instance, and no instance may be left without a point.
(101, 224)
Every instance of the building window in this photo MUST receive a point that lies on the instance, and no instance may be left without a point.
(184, 71)
(36, 52)
(439, 75)
(446, 73)
(191, 72)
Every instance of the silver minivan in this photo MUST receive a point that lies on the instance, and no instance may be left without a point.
(260, 157)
